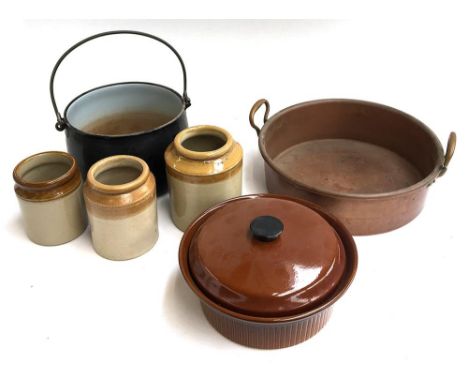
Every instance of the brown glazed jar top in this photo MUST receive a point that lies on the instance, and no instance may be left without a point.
(119, 186)
(203, 151)
(266, 256)
(46, 176)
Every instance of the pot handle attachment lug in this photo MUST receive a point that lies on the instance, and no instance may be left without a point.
(254, 109)
(61, 122)
(451, 144)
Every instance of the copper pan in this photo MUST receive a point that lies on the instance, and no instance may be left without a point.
(368, 164)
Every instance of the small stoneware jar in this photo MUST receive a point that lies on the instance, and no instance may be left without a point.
(204, 167)
(120, 196)
(49, 191)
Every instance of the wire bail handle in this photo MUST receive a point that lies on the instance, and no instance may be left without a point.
(61, 123)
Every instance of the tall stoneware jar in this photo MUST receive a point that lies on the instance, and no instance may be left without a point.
(48, 186)
(204, 168)
(120, 196)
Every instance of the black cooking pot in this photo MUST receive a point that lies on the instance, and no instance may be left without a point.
(116, 99)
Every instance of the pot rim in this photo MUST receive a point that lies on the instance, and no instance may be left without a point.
(110, 137)
(343, 233)
(426, 181)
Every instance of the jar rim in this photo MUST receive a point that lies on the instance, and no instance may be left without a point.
(27, 164)
(200, 130)
(113, 162)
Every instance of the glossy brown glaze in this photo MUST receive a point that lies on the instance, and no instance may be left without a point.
(368, 164)
(269, 332)
(289, 274)
(46, 176)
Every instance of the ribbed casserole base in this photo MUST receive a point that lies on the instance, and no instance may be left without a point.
(266, 335)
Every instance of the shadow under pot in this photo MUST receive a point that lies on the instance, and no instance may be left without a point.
(49, 191)
(204, 168)
(128, 118)
(120, 196)
(267, 268)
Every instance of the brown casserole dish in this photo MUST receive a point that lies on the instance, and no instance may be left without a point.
(267, 268)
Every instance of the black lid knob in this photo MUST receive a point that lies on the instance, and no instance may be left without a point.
(266, 228)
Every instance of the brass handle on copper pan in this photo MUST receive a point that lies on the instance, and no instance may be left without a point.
(254, 109)
(451, 144)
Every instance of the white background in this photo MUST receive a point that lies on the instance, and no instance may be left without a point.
(66, 314)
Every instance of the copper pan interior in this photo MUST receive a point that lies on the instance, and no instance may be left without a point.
(350, 147)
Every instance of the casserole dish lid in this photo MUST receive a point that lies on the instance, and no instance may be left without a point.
(266, 256)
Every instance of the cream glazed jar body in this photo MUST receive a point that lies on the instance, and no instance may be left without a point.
(204, 168)
(48, 187)
(120, 196)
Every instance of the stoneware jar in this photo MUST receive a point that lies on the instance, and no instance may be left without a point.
(120, 196)
(267, 268)
(204, 167)
(49, 190)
